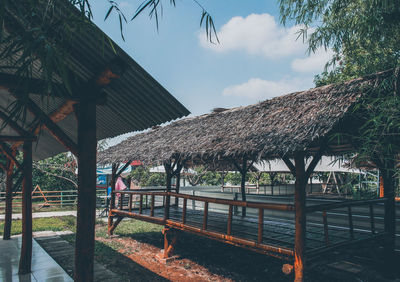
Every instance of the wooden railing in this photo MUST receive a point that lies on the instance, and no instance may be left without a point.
(349, 205)
(182, 224)
(44, 198)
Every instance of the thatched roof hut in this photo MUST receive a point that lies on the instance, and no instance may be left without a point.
(269, 129)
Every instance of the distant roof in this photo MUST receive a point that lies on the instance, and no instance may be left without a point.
(266, 130)
(135, 101)
(326, 164)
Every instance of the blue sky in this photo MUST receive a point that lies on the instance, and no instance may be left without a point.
(257, 58)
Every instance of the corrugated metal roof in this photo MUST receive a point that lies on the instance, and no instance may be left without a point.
(135, 101)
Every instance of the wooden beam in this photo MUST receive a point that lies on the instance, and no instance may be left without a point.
(25, 261)
(14, 125)
(54, 129)
(290, 165)
(300, 217)
(86, 212)
(9, 153)
(8, 208)
(315, 160)
(12, 81)
(5, 138)
(123, 168)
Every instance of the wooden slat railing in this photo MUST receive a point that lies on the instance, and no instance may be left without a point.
(181, 224)
(324, 208)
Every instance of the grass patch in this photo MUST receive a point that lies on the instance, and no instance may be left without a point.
(138, 230)
(43, 224)
(37, 208)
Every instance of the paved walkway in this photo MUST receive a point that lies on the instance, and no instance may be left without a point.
(63, 253)
(42, 214)
(44, 268)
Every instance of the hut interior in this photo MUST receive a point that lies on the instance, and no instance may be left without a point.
(70, 117)
(294, 128)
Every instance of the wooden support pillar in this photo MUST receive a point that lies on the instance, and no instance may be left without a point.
(25, 261)
(300, 217)
(390, 216)
(177, 186)
(112, 198)
(243, 184)
(168, 172)
(8, 208)
(87, 146)
(170, 240)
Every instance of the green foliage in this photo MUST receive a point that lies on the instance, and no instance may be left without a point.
(55, 173)
(144, 177)
(234, 178)
(211, 178)
(364, 34)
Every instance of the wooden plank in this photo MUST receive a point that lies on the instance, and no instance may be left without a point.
(25, 261)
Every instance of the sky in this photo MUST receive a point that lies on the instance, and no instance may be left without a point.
(257, 57)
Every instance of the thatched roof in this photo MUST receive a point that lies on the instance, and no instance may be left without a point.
(266, 130)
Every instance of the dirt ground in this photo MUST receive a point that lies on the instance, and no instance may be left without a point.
(201, 259)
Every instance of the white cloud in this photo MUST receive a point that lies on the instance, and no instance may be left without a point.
(257, 34)
(259, 89)
(314, 63)
(125, 5)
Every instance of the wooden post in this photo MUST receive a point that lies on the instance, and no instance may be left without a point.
(170, 240)
(390, 215)
(25, 261)
(87, 146)
(205, 215)
(168, 172)
(229, 226)
(300, 217)
(177, 186)
(8, 209)
(184, 208)
(243, 184)
(260, 225)
(112, 197)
